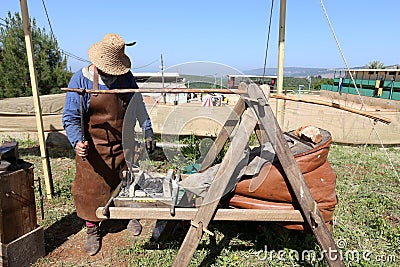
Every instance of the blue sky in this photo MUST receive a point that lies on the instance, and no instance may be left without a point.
(233, 33)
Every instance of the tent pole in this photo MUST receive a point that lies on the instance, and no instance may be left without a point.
(36, 100)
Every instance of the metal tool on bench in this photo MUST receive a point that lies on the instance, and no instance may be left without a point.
(175, 190)
(117, 191)
(127, 180)
(145, 189)
(106, 208)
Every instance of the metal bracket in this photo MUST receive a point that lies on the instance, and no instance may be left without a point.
(315, 219)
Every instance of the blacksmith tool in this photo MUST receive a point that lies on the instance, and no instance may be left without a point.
(175, 190)
(106, 208)
(126, 181)
(41, 198)
(82, 113)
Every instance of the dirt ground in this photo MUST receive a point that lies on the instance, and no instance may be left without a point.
(65, 241)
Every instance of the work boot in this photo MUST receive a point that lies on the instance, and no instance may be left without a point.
(134, 227)
(93, 241)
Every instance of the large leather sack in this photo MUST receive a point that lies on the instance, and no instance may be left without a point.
(268, 190)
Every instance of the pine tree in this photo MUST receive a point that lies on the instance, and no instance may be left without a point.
(50, 64)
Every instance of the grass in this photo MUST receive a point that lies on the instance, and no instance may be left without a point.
(368, 216)
(366, 221)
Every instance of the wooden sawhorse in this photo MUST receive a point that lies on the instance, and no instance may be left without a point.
(257, 116)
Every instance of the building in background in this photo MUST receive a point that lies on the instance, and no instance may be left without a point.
(376, 83)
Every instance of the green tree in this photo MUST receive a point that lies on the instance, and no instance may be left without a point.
(376, 65)
(50, 64)
(319, 81)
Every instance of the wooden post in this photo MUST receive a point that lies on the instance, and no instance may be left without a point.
(281, 47)
(223, 135)
(295, 178)
(216, 190)
(36, 100)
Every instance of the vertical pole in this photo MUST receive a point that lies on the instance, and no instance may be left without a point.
(361, 83)
(391, 88)
(162, 79)
(383, 85)
(36, 100)
(281, 46)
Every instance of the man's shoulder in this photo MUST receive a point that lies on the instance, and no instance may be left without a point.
(77, 78)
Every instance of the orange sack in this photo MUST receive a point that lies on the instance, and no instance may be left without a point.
(268, 190)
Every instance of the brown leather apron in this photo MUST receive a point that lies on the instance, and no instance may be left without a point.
(100, 173)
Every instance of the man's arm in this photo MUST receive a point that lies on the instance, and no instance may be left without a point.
(71, 119)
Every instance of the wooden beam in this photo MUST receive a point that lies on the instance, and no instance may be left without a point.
(280, 105)
(231, 91)
(156, 90)
(333, 105)
(189, 214)
(302, 194)
(36, 100)
(223, 135)
(217, 189)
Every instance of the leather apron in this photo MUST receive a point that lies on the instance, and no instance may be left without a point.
(101, 172)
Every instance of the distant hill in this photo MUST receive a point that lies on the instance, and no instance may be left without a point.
(298, 72)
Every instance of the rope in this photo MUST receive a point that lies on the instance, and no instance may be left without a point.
(342, 54)
(358, 92)
(52, 34)
(269, 31)
(74, 56)
(388, 157)
(140, 67)
(69, 54)
(48, 19)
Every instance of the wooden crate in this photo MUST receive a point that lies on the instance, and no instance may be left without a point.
(17, 203)
(23, 251)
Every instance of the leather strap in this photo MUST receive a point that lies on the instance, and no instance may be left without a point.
(95, 78)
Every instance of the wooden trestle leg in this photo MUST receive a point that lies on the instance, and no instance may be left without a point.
(302, 193)
(258, 111)
(216, 190)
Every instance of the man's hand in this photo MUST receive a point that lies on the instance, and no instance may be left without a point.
(81, 148)
(150, 144)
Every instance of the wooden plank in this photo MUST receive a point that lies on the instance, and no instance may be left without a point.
(223, 135)
(261, 135)
(25, 250)
(295, 177)
(189, 214)
(142, 202)
(157, 90)
(17, 204)
(36, 101)
(217, 188)
(334, 105)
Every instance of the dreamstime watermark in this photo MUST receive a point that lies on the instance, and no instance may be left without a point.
(343, 254)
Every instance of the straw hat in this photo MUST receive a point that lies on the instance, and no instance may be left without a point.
(109, 55)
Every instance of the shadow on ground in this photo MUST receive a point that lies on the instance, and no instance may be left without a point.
(238, 236)
(59, 232)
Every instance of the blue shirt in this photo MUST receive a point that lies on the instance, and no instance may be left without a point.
(82, 79)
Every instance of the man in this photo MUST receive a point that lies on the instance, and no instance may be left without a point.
(99, 157)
